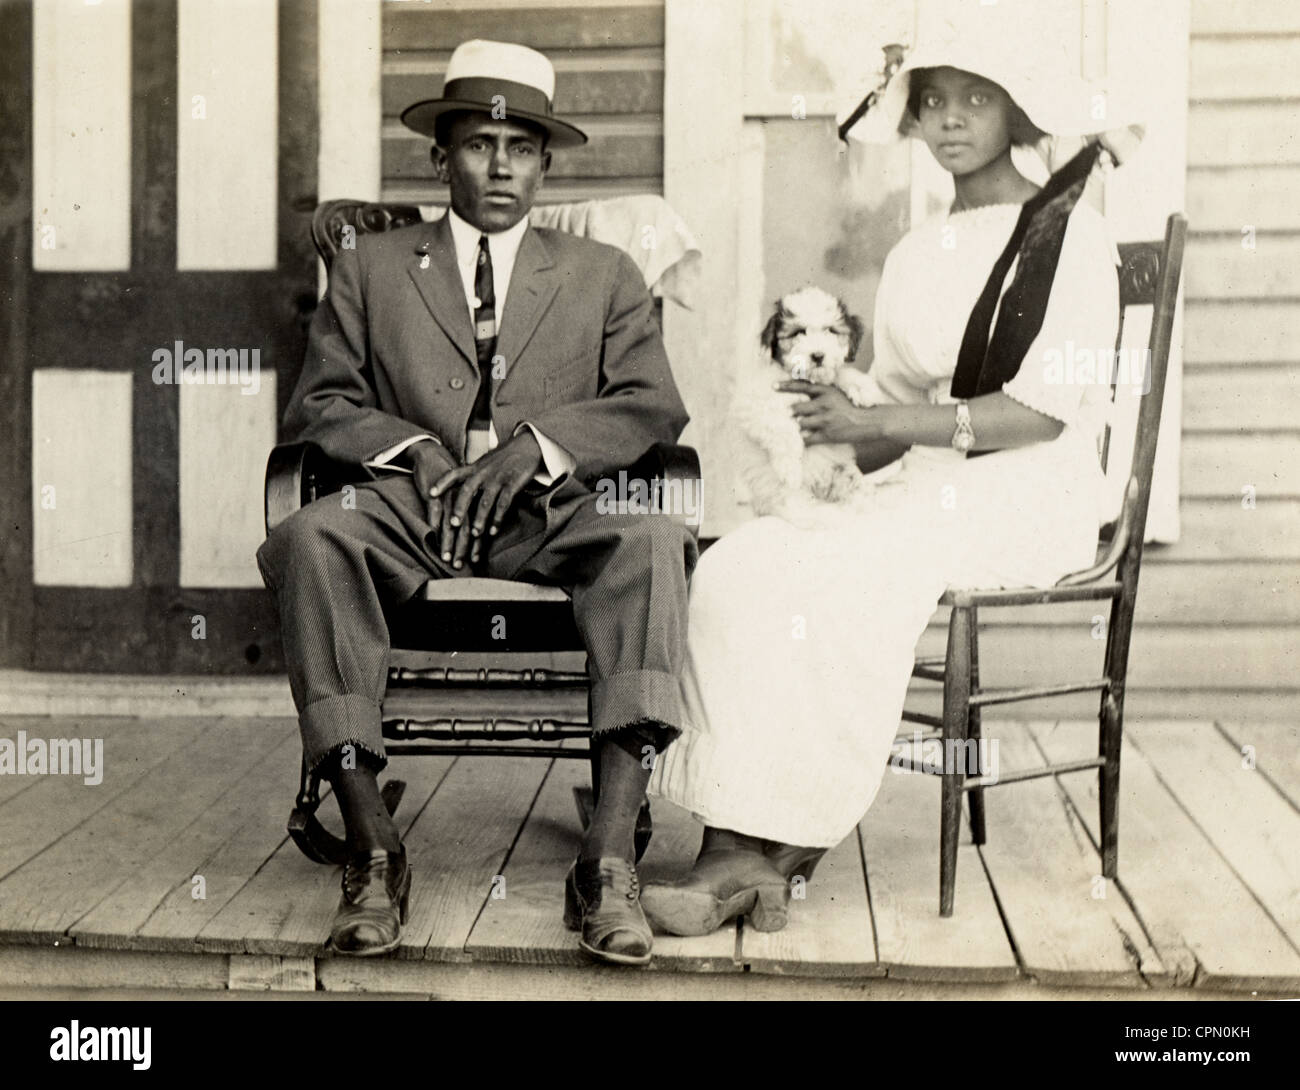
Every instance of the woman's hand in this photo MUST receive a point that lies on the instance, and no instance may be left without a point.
(828, 416)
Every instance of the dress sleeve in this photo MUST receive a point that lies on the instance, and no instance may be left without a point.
(888, 382)
(1070, 358)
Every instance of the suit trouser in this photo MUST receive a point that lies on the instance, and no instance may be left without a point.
(333, 564)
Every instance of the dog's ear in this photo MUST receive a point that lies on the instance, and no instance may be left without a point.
(768, 337)
(856, 329)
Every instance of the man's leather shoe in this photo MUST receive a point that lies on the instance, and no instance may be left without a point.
(376, 892)
(602, 899)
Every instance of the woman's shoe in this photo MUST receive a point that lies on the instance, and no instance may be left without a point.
(376, 895)
(791, 860)
(722, 885)
(602, 900)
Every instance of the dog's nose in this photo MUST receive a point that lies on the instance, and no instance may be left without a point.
(817, 357)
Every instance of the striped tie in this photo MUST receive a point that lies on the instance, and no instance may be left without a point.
(485, 334)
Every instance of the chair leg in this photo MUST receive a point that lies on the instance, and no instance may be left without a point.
(975, 796)
(1112, 731)
(956, 700)
(312, 838)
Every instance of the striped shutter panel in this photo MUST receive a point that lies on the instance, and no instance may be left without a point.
(609, 69)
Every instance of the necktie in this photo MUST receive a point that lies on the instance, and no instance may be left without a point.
(485, 333)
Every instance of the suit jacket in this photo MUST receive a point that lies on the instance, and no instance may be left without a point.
(390, 354)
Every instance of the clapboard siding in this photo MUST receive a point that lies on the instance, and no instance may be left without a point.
(1250, 133)
(1238, 331)
(609, 77)
(1223, 463)
(1223, 529)
(604, 81)
(408, 27)
(1232, 18)
(1263, 264)
(1244, 67)
(1219, 613)
(1259, 398)
(1228, 200)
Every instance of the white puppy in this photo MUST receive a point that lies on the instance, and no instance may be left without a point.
(812, 336)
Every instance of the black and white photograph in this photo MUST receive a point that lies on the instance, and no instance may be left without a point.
(657, 500)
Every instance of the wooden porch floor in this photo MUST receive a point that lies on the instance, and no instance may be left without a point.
(1208, 898)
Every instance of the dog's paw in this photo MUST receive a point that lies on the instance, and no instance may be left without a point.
(844, 484)
(860, 388)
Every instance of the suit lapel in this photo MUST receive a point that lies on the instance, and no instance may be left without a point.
(440, 287)
(533, 285)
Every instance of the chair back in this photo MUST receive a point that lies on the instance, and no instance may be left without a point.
(1149, 275)
(336, 224)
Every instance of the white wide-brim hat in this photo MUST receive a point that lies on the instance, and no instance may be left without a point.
(506, 80)
(1039, 82)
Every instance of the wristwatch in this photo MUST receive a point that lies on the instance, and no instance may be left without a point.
(963, 436)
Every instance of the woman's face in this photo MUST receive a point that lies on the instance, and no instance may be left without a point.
(965, 119)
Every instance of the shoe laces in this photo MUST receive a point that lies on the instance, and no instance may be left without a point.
(358, 878)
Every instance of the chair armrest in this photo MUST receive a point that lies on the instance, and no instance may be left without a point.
(681, 490)
(297, 474)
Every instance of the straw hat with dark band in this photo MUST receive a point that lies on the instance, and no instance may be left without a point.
(509, 81)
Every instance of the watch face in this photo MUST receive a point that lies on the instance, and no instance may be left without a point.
(963, 442)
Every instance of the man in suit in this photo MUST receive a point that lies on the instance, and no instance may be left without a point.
(488, 374)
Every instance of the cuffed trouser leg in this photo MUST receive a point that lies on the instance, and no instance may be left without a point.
(330, 567)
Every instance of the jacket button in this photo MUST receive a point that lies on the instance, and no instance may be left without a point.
(457, 383)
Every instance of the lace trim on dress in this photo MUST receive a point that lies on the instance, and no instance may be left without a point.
(1017, 393)
(986, 211)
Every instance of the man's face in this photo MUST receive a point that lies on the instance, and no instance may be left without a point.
(494, 169)
(965, 119)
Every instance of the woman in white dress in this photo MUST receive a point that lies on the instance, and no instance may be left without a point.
(802, 637)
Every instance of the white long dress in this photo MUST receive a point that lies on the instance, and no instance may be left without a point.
(801, 638)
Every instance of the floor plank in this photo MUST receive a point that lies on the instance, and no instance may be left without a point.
(1276, 751)
(1253, 827)
(37, 810)
(830, 932)
(50, 893)
(900, 837)
(526, 925)
(1179, 885)
(459, 845)
(1066, 926)
(286, 907)
(252, 810)
(250, 839)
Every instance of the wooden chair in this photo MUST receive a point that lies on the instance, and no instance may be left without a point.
(1148, 276)
(521, 712)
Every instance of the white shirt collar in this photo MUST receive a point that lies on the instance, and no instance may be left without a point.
(502, 245)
